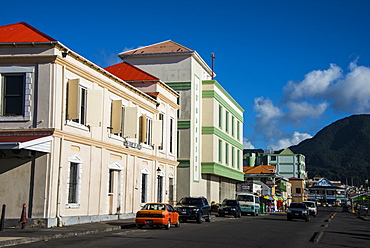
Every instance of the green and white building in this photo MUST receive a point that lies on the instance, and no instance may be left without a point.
(210, 121)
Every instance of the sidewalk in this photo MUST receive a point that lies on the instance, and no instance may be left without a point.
(12, 236)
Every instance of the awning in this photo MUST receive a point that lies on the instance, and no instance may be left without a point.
(40, 143)
(271, 197)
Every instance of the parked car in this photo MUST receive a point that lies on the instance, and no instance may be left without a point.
(345, 209)
(298, 210)
(157, 214)
(312, 207)
(230, 207)
(194, 208)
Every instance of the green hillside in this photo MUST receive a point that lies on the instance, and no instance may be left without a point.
(340, 151)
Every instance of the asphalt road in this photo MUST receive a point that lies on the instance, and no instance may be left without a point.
(343, 230)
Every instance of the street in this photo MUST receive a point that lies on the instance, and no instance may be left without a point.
(273, 230)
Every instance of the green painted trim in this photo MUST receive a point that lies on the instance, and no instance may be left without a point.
(184, 163)
(213, 94)
(286, 172)
(183, 124)
(222, 135)
(218, 85)
(179, 85)
(220, 170)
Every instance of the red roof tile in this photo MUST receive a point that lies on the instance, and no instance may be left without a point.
(128, 72)
(22, 32)
(261, 169)
(162, 47)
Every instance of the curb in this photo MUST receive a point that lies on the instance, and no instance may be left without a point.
(318, 237)
(27, 240)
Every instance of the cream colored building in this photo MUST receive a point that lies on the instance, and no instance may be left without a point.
(209, 122)
(77, 143)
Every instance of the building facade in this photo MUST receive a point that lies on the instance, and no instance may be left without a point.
(209, 120)
(77, 143)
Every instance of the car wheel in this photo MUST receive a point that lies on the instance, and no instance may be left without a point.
(177, 224)
(140, 226)
(307, 219)
(208, 218)
(289, 218)
(168, 226)
(200, 218)
(240, 215)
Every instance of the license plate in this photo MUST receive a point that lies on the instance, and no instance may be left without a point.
(296, 214)
(184, 212)
(226, 212)
(149, 221)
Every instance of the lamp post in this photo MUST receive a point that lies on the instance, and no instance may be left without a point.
(159, 196)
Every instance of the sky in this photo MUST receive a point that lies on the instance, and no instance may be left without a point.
(294, 66)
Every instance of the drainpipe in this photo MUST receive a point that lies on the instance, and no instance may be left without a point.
(59, 218)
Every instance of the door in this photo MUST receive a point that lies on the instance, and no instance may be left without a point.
(114, 192)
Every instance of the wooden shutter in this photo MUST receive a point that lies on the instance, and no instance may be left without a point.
(94, 108)
(143, 128)
(116, 117)
(157, 132)
(131, 122)
(72, 99)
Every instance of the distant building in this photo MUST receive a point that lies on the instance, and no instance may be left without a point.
(287, 163)
(326, 192)
(298, 189)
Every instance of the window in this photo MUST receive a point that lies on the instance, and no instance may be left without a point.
(111, 182)
(238, 159)
(238, 130)
(77, 99)
(232, 125)
(298, 190)
(273, 158)
(144, 184)
(220, 116)
(220, 151)
(162, 119)
(12, 95)
(15, 93)
(233, 156)
(146, 130)
(73, 183)
(117, 118)
(227, 153)
(171, 134)
(227, 122)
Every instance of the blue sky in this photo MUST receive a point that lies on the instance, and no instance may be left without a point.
(294, 66)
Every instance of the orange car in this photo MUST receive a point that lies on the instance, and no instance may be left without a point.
(157, 214)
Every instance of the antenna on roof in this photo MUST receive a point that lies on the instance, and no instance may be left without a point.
(213, 64)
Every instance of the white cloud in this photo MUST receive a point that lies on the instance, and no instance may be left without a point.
(315, 84)
(267, 117)
(352, 94)
(296, 138)
(247, 144)
(300, 111)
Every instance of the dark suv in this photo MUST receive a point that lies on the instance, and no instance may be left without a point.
(298, 210)
(230, 207)
(194, 208)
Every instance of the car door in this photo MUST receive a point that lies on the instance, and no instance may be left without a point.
(172, 214)
(206, 207)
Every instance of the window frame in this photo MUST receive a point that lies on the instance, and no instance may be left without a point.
(77, 161)
(27, 91)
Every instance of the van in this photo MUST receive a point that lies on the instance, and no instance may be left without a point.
(312, 207)
(249, 203)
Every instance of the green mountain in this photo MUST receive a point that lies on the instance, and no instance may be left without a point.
(340, 151)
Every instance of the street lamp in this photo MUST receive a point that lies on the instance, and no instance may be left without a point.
(159, 196)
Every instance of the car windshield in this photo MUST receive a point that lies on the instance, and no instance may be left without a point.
(229, 203)
(153, 207)
(191, 201)
(298, 205)
(310, 204)
(247, 198)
